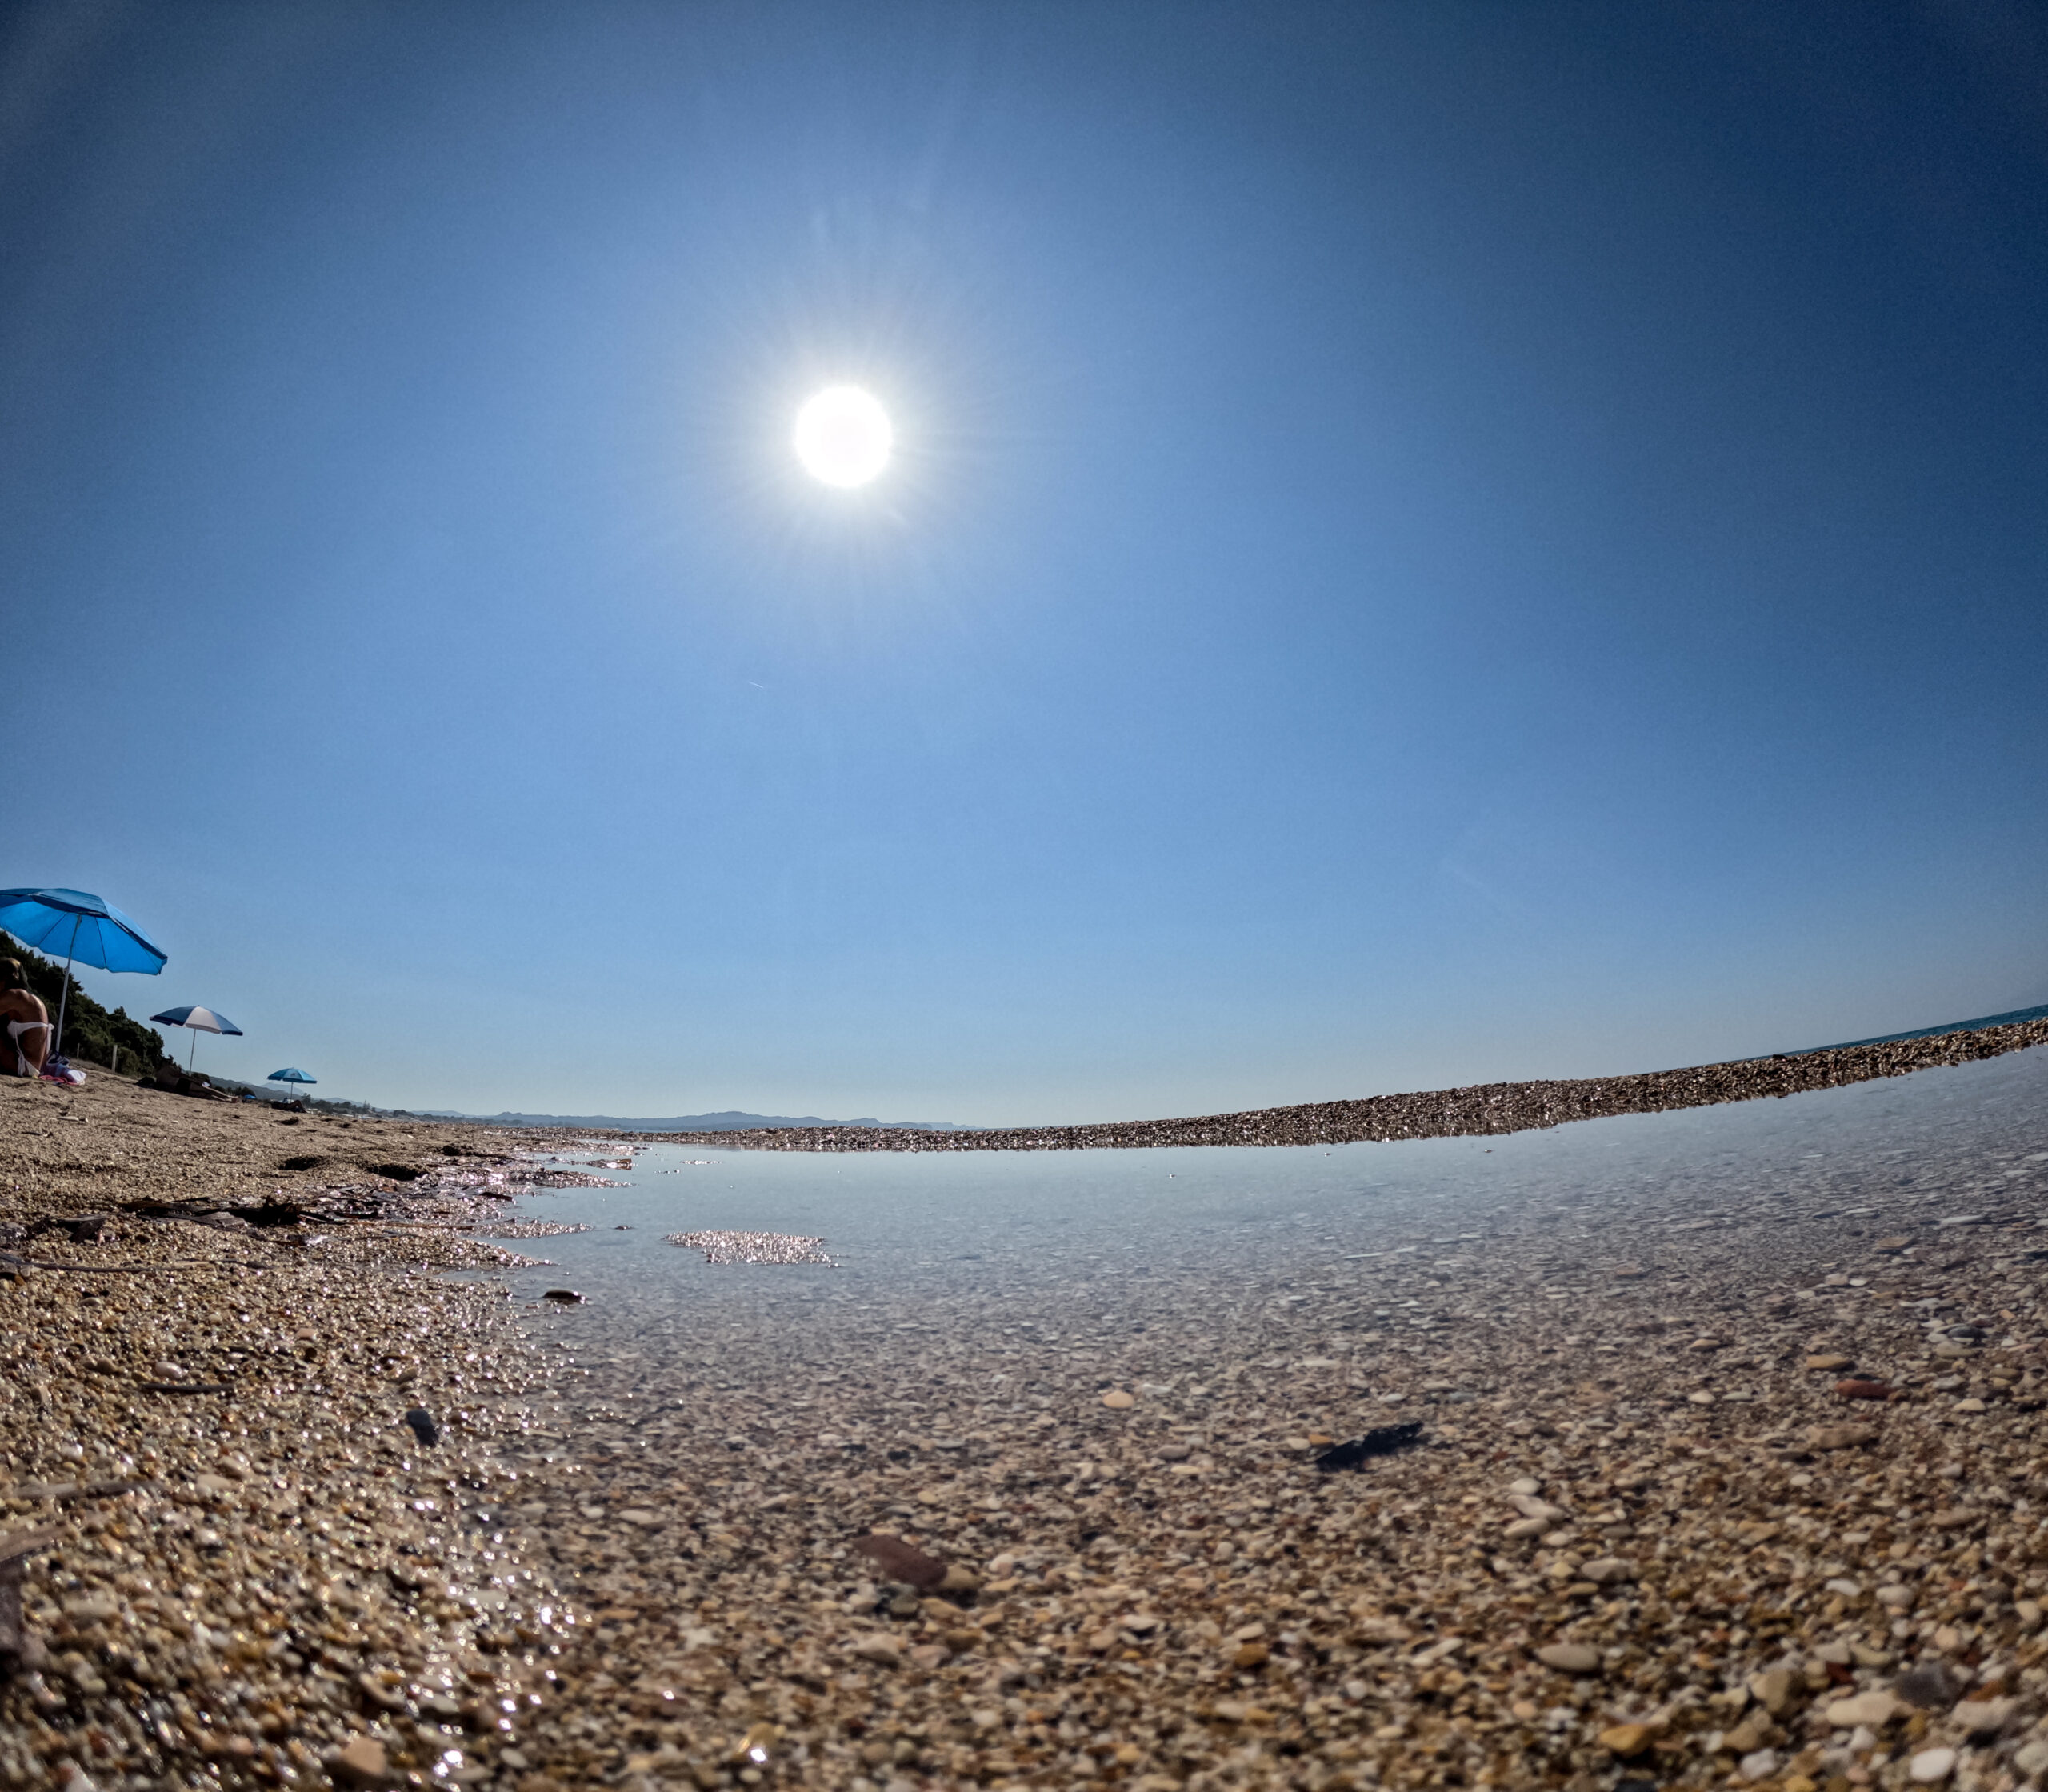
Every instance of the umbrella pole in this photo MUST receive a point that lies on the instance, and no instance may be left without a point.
(64, 994)
(192, 1057)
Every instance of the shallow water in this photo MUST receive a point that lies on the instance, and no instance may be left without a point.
(900, 1225)
(1098, 1378)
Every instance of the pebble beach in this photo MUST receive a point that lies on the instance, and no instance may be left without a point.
(1724, 1470)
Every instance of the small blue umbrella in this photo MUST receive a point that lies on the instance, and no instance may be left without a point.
(200, 1020)
(290, 1076)
(92, 931)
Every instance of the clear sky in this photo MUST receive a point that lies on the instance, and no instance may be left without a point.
(1427, 543)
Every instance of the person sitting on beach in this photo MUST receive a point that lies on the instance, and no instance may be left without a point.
(27, 1043)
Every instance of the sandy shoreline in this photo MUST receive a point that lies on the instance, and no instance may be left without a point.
(1644, 1538)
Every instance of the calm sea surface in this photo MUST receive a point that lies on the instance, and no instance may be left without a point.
(1009, 1223)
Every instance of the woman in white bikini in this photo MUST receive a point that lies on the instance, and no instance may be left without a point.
(27, 1043)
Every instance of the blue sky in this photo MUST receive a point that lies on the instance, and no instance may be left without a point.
(1428, 544)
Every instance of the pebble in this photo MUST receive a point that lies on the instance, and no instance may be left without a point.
(1871, 1710)
(1983, 1717)
(1118, 1401)
(361, 1760)
(1569, 1658)
(1830, 1361)
(1930, 1766)
(1625, 1739)
(1541, 1510)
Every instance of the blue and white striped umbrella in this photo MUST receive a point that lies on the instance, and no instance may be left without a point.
(200, 1020)
(290, 1076)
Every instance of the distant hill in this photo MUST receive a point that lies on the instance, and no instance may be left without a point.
(693, 1122)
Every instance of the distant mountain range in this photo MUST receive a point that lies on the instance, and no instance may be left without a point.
(691, 1122)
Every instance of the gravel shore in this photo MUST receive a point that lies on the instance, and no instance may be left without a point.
(1655, 1530)
(1482, 1109)
(246, 1569)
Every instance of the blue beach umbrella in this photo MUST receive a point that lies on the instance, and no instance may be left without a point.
(200, 1020)
(91, 931)
(291, 1076)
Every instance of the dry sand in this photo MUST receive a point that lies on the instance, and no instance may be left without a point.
(1645, 1538)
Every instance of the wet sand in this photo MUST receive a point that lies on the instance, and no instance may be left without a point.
(1644, 1536)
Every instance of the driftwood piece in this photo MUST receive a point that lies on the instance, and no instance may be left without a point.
(18, 1651)
(902, 1561)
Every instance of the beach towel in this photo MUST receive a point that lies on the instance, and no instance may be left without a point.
(60, 1071)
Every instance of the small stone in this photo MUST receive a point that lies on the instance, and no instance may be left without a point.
(1873, 1711)
(2032, 1758)
(1858, 1389)
(1520, 1530)
(360, 1759)
(1760, 1764)
(1840, 1437)
(1528, 1485)
(883, 1651)
(563, 1296)
(1630, 1272)
(957, 1580)
(1890, 1246)
(1250, 1655)
(1748, 1736)
(1930, 1766)
(1775, 1689)
(1970, 1405)
(1118, 1401)
(1983, 1717)
(1830, 1361)
(1608, 1571)
(1625, 1739)
(1569, 1658)
(1531, 1507)
(422, 1425)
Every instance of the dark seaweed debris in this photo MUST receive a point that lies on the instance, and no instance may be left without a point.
(1382, 1442)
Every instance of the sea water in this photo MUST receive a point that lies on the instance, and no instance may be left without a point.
(950, 1223)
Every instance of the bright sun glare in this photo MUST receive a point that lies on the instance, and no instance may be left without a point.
(843, 436)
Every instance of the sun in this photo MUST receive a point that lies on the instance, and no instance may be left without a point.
(843, 437)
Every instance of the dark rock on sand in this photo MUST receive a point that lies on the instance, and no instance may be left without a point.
(902, 1561)
(1384, 1441)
